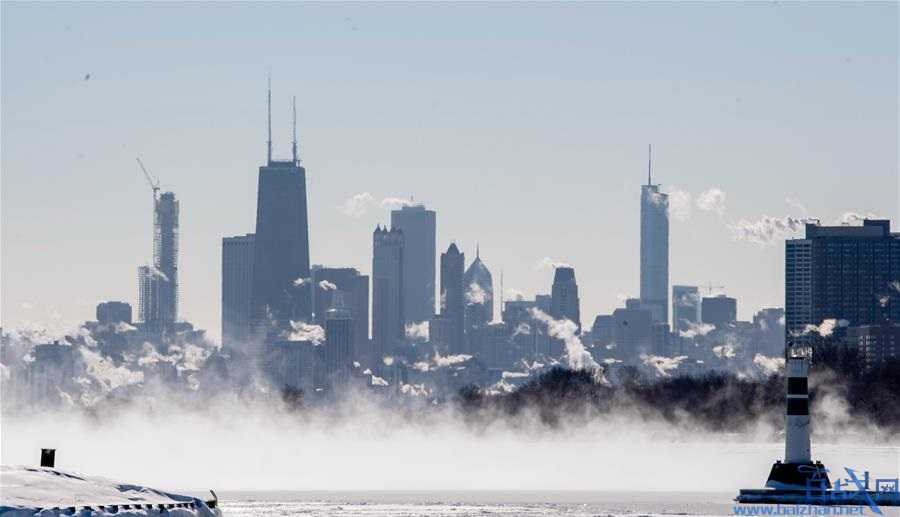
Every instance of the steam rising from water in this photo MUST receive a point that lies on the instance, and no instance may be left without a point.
(240, 444)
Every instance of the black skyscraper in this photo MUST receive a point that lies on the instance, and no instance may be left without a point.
(453, 302)
(281, 288)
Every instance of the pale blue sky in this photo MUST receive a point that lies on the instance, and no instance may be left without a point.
(524, 125)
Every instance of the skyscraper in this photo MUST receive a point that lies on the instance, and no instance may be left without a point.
(158, 281)
(331, 283)
(720, 310)
(564, 301)
(237, 283)
(479, 285)
(841, 272)
(281, 288)
(388, 255)
(113, 312)
(685, 307)
(420, 248)
(338, 340)
(654, 250)
(453, 297)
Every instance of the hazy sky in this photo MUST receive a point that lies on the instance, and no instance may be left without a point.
(524, 125)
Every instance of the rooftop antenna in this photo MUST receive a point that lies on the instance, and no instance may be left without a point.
(269, 115)
(294, 134)
(477, 250)
(649, 155)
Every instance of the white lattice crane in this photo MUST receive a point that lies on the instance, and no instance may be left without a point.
(154, 182)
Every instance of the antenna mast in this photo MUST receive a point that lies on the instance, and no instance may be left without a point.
(269, 115)
(294, 133)
(649, 156)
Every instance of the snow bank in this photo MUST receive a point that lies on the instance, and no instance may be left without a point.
(49, 492)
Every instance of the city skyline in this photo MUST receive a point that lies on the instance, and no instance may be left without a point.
(514, 239)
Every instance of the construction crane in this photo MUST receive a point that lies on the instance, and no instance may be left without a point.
(154, 182)
(709, 288)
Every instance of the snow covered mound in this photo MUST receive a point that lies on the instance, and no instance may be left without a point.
(48, 492)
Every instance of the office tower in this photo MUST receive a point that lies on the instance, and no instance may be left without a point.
(158, 281)
(453, 304)
(294, 365)
(564, 302)
(281, 290)
(330, 282)
(420, 248)
(51, 371)
(527, 334)
(685, 307)
(603, 331)
(876, 344)
(338, 340)
(769, 327)
(633, 327)
(113, 312)
(387, 291)
(479, 285)
(237, 285)
(543, 302)
(654, 250)
(719, 311)
(439, 334)
(491, 343)
(841, 272)
(659, 339)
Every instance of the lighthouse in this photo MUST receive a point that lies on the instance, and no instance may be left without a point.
(796, 424)
(798, 470)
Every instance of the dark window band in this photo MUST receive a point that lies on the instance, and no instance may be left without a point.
(798, 407)
(797, 386)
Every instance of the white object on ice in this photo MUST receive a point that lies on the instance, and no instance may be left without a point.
(50, 492)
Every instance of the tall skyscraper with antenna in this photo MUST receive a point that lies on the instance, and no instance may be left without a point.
(654, 248)
(281, 290)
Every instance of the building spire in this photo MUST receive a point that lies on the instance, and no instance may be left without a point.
(294, 131)
(477, 251)
(269, 119)
(649, 156)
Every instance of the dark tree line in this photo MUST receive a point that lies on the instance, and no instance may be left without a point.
(716, 401)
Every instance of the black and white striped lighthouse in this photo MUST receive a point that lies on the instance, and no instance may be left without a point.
(797, 471)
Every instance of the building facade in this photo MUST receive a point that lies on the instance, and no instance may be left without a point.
(654, 251)
(479, 285)
(420, 250)
(388, 327)
(330, 283)
(237, 284)
(842, 272)
(281, 290)
(685, 307)
(113, 312)
(158, 281)
(564, 301)
(453, 292)
(720, 311)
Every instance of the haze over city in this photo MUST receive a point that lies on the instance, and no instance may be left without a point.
(525, 127)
